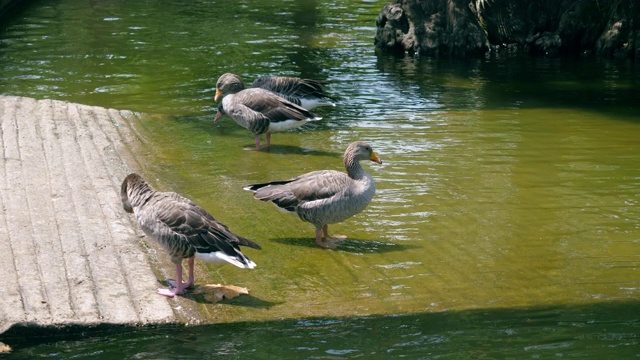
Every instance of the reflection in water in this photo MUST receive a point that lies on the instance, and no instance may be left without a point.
(507, 183)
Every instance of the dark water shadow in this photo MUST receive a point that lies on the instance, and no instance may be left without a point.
(288, 149)
(244, 300)
(350, 245)
(250, 301)
(601, 85)
(605, 330)
(10, 11)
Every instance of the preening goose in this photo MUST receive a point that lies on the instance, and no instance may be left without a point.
(258, 110)
(184, 229)
(307, 93)
(326, 196)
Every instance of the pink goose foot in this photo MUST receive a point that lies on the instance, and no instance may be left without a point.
(178, 286)
(258, 146)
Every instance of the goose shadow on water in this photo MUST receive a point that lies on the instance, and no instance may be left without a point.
(290, 149)
(244, 300)
(351, 245)
(250, 301)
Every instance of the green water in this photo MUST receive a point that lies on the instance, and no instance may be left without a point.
(506, 222)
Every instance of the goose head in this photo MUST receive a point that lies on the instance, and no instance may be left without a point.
(228, 84)
(134, 192)
(360, 150)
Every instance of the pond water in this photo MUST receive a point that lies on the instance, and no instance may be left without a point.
(506, 222)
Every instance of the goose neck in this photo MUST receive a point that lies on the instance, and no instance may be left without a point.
(354, 169)
(236, 87)
(140, 194)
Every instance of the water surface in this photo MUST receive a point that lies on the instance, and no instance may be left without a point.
(506, 221)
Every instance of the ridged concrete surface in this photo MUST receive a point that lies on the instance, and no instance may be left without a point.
(69, 254)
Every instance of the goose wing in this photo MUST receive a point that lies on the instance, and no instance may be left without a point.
(258, 103)
(304, 190)
(194, 225)
(291, 86)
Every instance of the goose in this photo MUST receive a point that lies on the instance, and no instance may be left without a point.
(258, 110)
(307, 93)
(184, 229)
(326, 196)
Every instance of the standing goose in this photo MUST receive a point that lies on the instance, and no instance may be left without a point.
(326, 196)
(184, 229)
(258, 110)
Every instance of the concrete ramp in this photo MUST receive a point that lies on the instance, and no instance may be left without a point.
(69, 254)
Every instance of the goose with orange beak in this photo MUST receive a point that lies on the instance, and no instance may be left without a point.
(326, 196)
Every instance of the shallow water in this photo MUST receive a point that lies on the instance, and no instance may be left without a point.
(506, 219)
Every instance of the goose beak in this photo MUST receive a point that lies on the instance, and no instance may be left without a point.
(375, 158)
(218, 95)
(218, 116)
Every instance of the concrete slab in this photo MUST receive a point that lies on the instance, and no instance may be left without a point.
(69, 254)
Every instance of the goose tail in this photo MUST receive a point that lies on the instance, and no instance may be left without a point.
(239, 260)
(255, 187)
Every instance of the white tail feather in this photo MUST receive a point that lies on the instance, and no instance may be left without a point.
(218, 257)
(310, 103)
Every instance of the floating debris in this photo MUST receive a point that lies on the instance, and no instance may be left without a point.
(4, 348)
(218, 292)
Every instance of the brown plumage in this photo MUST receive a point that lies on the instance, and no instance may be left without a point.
(184, 229)
(326, 196)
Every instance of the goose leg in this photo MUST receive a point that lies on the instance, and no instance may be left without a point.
(324, 242)
(184, 285)
(179, 286)
(268, 136)
(325, 230)
(191, 280)
(257, 142)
